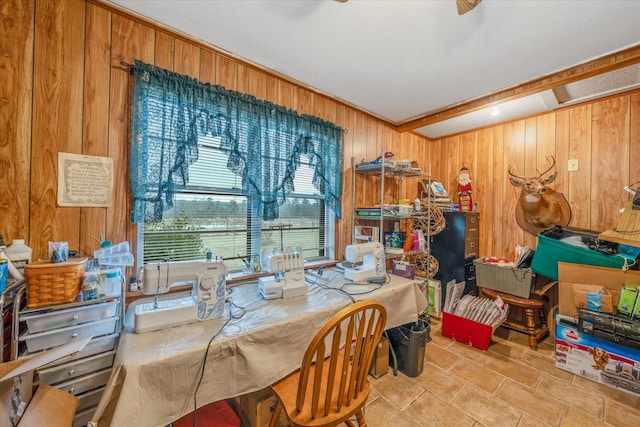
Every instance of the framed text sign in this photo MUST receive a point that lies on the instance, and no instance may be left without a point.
(84, 181)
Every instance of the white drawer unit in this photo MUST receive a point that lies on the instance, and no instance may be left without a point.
(55, 337)
(40, 321)
(85, 373)
(85, 383)
(76, 368)
(89, 399)
(83, 417)
(96, 345)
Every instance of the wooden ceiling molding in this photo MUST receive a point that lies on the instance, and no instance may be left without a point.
(598, 66)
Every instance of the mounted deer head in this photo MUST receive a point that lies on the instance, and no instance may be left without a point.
(539, 207)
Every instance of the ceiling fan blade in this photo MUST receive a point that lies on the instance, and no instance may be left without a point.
(465, 6)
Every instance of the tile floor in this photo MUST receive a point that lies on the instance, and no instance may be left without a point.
(507, 385)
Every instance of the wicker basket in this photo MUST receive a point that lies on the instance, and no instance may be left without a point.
(54, 283)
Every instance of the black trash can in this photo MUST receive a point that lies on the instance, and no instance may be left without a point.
(409, 343)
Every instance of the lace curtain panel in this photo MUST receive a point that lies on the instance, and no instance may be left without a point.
(263, 141)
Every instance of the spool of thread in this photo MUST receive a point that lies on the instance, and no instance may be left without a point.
(408, 243)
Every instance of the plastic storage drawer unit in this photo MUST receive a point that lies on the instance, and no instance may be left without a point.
(46, 320)
(56, 337)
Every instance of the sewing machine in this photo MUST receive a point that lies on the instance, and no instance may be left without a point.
(206, 300)
(288, 278)
(371, 255)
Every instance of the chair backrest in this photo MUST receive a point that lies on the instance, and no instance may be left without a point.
(335, 366)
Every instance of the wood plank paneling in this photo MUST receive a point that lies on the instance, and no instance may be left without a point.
(93, 221)
(579, 182)
(514, 154)
(187, 60)
(208, 66)
(130, 41)
(81, 99)
(610, 120)
(57, 117)
(165, 51)
(496, 212)
(227, 73)
(16, 94)
(482, 184)
(634, 140)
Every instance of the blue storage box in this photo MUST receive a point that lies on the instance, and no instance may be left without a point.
(550, 251)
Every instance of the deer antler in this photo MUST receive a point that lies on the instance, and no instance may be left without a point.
(514, 175)
(550, 167)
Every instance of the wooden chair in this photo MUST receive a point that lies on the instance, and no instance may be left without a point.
(331, 384)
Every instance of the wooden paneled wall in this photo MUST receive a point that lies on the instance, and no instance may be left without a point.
(603, 135)
(64, 90)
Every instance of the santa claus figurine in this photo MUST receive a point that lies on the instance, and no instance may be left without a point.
(464, 190)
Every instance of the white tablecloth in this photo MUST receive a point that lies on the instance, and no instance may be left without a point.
(156, 373)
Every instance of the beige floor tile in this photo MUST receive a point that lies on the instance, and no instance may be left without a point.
(506, 350)
(528, 400)
(439, 356)
(514, 370)
(399, 390)
(581, 399)
(382, 413)
(573, 417)
(478, 356)
(440, 382)
(486, 408)
(621, 415)
(477, 375)
(429, 410)
(545, 364)
(508, 385)
(607, 392)
(529, 421)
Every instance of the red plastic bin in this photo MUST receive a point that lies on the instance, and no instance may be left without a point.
(216, 414)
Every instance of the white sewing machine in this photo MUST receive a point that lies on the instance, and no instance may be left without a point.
(206, 300)
(371, 255)
(288, 279)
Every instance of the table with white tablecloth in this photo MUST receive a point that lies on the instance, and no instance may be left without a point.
(156, 373)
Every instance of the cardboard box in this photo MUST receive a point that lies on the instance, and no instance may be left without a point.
(592, 297)
(255, 408)
(49, 406)
(627, 301)
(507, 279)
(599, 360)
(380, 362)
(434, 298)
(610, 278)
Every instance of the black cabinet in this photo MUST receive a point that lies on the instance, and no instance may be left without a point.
(455, 248)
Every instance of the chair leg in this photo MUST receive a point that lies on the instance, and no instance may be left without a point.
(276, 414)
(361, 420)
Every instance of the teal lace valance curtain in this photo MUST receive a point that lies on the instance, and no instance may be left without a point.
(264, 143)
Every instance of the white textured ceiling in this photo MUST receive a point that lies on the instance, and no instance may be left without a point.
(405, 58)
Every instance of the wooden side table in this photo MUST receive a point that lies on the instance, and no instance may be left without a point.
(534, 305)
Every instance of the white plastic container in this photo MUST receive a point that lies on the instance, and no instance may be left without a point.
(19, 254)
(117, 249)
(112, 284)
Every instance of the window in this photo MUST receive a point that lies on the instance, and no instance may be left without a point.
(216, 171)
(213, 214)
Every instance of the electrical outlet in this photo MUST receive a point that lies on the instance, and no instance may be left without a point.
(572, 165)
